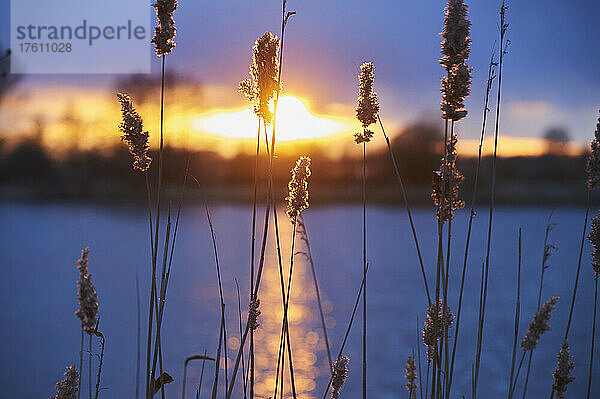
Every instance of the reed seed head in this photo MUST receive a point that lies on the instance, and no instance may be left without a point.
(67, 388)
(264, 85)
(456, 43)
(164, 33)
(88, 299)
(340, 373)
(368, 106)
(455, 88)
(436, 323)
(133, 134)
(411, 376)
(253, 313)
(539, 324)
(447, 183)
(562, 373)
(298, 188)
(593, 160)
(594, 237)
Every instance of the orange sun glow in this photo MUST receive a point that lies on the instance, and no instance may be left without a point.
(294, 122)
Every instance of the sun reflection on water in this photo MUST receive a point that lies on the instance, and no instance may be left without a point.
(308, 346)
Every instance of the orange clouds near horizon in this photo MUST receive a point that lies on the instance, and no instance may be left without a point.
(211, 118)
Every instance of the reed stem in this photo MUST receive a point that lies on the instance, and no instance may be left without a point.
(360, 290)
(491, 77)
(90, 369)
(587, 211)
(245, 382)
(138, 334)
(407, 207)
(222, 332)
(80, 365)
(589, 381)
(199, 389)
(252, 254)
(517, 316)
(364, 252)
(503, 28)
(101, 336)
(304, 237)
(419, 361)
(284, 18)
(545, 256)
(149, 383)
(285, 295)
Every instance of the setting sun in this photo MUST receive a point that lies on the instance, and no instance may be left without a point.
(294, 122)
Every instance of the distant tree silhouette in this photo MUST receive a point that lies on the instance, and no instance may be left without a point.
(557, 140)
(417, 149)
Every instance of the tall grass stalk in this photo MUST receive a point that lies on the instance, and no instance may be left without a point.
(222, 332)
(503, 48)
(252, 255)
(364, 256)
(101, 360)
(185, 365)
(350, 322)
(199, 389)
(245, 382)
(285, 295)
(445, 340)
(297, 202)
(167, 261)
(285, 16)
(491, 77)
(547, 251)
(80, 365)
(138, 334)
(590, 367)
(303, 233)
(407, 207)
(149, 380)
(419, 361)
(159, 304)
(517, 315)
(585, 220)
(539, 325)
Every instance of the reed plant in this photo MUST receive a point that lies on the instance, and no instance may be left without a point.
(366, 112)
(503, 50)
(68, 387)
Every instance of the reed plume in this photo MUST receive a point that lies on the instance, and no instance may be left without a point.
(263, 85)
(447, 183)
(368, 106)
(561, 375)
(298, 188)
(593, 160)
(436, 323)
(539, 324)
(133, 134)
(253, 313)
(594, 238)
(340, 373)
(456, 47)
(456, 44)
(411, 377)
(164, 33)
(455, 88)
(88, 299)
(67, 388)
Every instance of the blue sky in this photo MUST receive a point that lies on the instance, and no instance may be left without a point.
(551, 75)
